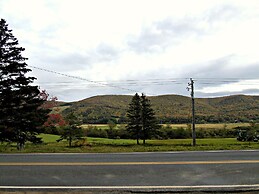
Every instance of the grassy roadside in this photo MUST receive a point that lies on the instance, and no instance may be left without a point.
(102, 145)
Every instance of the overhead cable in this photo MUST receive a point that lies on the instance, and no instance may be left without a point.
(83, 79)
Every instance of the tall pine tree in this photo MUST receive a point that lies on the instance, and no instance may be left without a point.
(134, 116)
(142, 122)
(20, 114)
(149, 122)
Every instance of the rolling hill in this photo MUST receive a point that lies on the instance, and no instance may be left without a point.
(169, 108)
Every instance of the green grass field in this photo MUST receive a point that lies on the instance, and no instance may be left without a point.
(102, 145)
(213, 125)
(201, 126)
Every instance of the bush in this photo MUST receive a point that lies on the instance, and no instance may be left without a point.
(123, 133)
(181, 133)
(167, 132)
(250, 133)
(81, 142)
(211, 132)
(52, 130)
(111, 133)
(120, 133)
(95, 132)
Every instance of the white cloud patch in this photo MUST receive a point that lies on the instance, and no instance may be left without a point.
(239, 86)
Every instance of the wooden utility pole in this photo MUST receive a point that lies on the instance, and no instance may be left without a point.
(191, 87)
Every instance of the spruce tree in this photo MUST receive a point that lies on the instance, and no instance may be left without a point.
(149, 122)
(21, 117)
(134, 117)
(72, 130)
(142, 123)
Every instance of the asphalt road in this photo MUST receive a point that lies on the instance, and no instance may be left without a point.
(168, 171)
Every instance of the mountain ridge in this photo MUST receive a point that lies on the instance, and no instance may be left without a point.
(170, 108)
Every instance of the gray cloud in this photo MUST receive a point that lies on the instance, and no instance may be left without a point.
(52, 57)
(163, 34)
(248, 71)
(252, 91)
(222, 13)
(224, 67)
(104, 52)
(212, 69)
(170, 31)
(219, 94)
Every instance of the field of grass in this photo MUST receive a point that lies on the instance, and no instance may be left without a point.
(220, 125)
(99, 145)
(48, 138)
(103, 145)
(201, 126)
(99, 126)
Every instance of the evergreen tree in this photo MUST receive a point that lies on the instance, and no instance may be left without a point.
(20, 114)
(72, 130)
(142, 122)
(134, 116)
(149, 122)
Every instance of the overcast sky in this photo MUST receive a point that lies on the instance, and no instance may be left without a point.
(128, 46)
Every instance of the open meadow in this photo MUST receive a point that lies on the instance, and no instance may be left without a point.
(174, 126)
(104, 145)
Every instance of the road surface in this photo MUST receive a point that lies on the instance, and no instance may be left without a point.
(167, 171)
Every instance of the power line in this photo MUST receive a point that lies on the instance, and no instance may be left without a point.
(83, 79)
(122, 84)
(145, 83)
(80, 78)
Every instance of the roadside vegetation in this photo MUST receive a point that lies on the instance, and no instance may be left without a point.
(169, 131)
(116, 144)
(105, 145)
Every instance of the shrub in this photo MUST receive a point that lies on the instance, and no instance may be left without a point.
(95, 132)
(167, 132)
(54, 130)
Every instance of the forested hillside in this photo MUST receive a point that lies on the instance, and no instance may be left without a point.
(169, 109)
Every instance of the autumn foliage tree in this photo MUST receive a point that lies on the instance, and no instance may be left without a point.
(55, 119)
(67, 127)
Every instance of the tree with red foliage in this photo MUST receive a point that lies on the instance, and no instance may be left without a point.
(68, 128)
(54, 120)
(50, 102)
